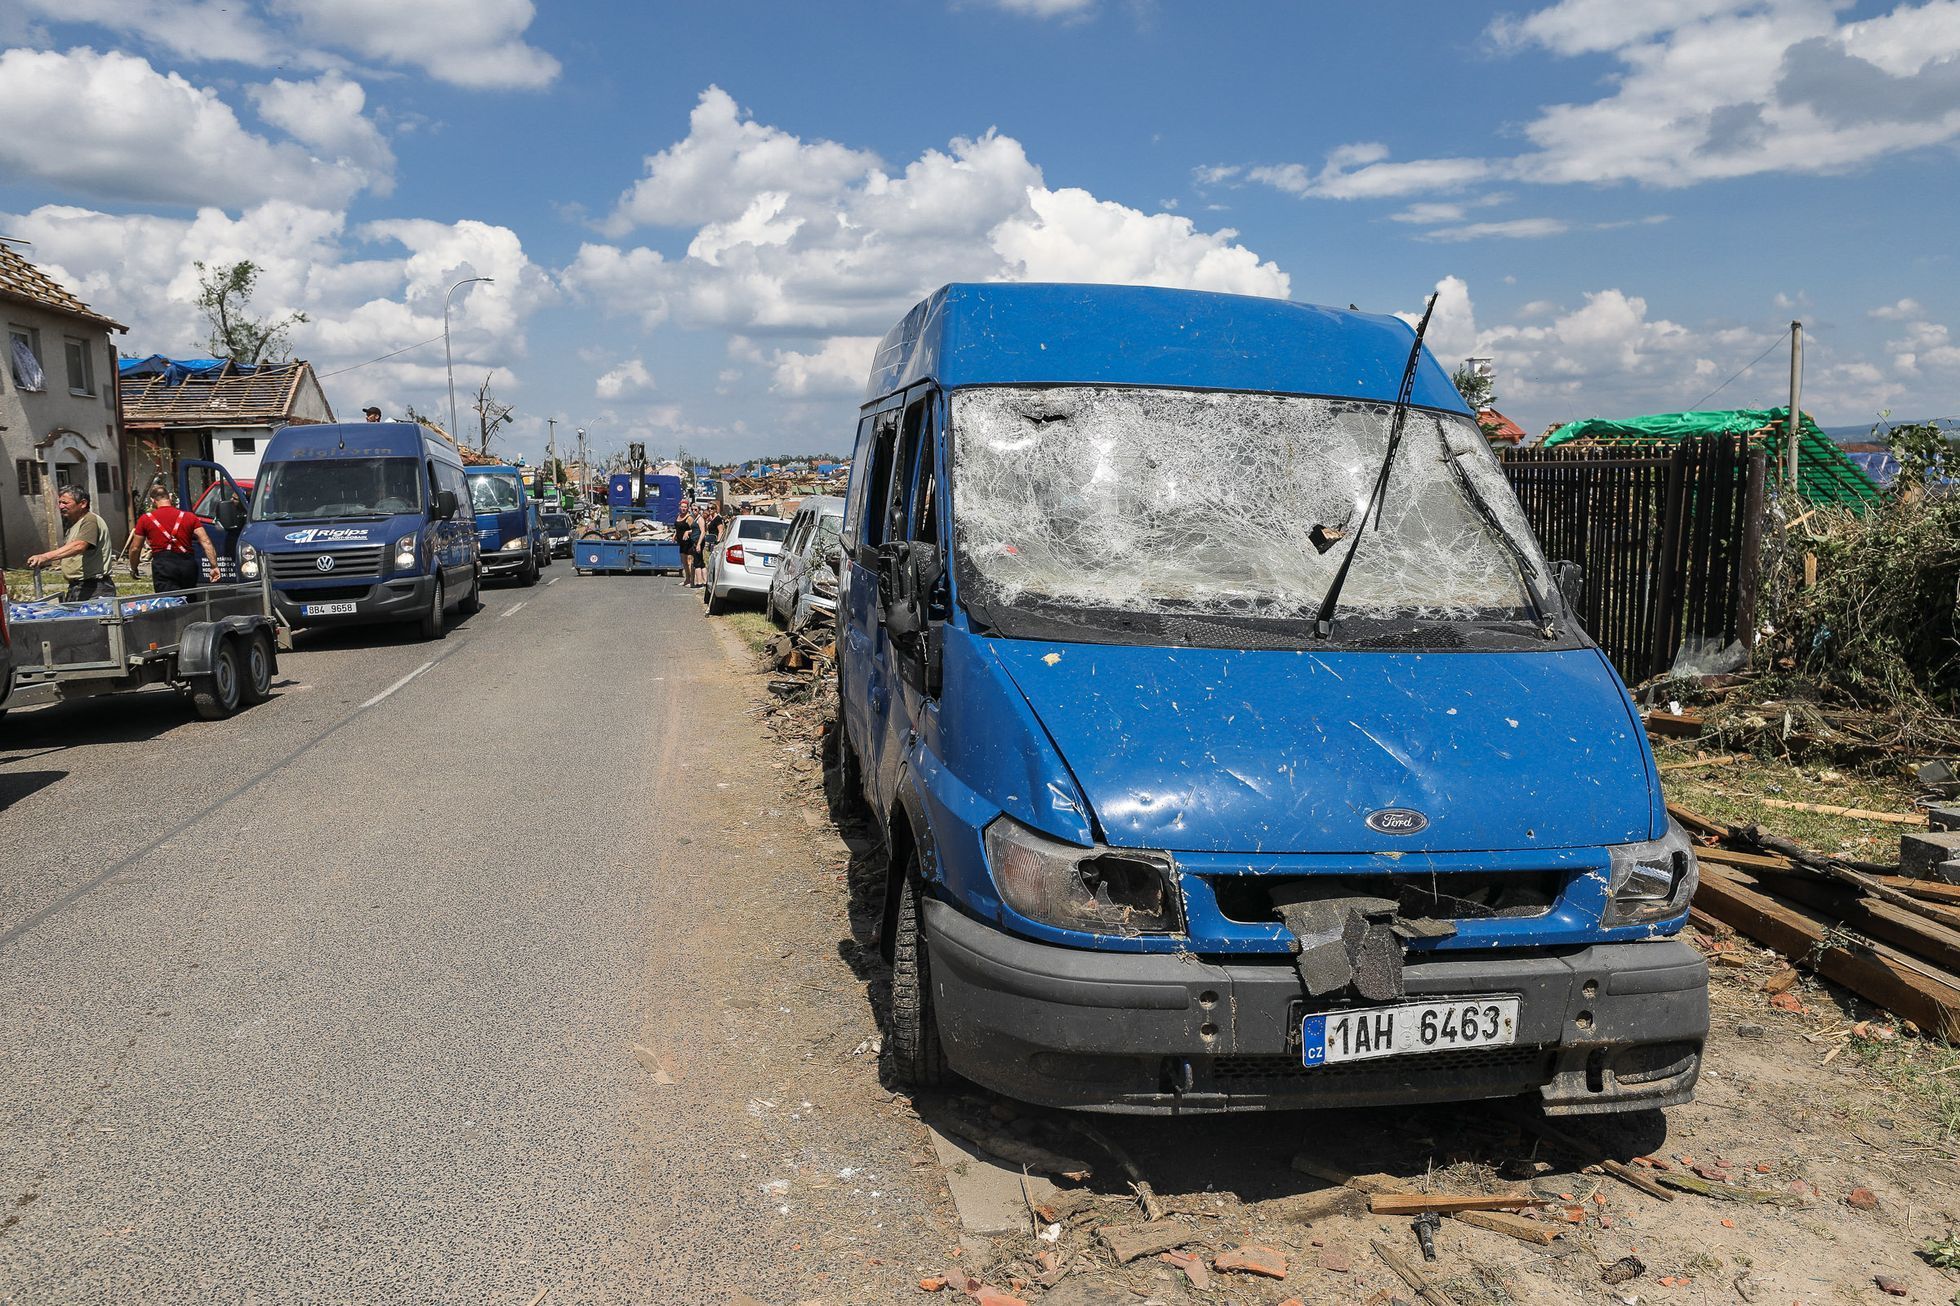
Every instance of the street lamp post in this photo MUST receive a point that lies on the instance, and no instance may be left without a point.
(449, 363)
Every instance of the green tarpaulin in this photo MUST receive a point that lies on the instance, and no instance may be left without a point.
(1824, 473)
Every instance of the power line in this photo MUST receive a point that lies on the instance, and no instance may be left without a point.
(384, 358)
(1745, 367)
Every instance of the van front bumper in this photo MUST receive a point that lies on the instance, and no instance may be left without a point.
(403, 598)
(500, 563)
(1610, 1027)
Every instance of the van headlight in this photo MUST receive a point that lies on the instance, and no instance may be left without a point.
(1651, 881)
(1103, 890)
(405, 552)
(512, 546)
(248, 562)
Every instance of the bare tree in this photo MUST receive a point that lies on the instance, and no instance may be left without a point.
(224, 295)
(489, 415)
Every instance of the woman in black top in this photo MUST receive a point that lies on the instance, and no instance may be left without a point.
(688, 536)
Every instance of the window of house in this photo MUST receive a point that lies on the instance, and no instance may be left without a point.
(105, 482)
(28, 470)
(81, 366)
(245, 444)
(24, 357)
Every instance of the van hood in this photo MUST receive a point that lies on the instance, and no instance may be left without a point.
(1222, 750)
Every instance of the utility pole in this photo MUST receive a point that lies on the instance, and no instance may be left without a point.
(1796, 396)
(551, 454)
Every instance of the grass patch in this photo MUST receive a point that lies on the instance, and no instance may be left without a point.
(1733, 794)
(1923, 1073)
(755, 629)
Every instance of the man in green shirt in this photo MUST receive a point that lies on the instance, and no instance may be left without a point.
(83, 554)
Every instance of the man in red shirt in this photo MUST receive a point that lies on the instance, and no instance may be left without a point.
(169, 531)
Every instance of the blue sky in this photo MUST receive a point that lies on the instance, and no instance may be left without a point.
(698, 217)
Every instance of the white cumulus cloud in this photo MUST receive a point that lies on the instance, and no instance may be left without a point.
(627, 380)
(110, 125)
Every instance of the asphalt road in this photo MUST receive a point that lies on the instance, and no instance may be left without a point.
(456, 972)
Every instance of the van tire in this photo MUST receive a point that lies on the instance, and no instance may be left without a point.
(219, 694)
(473, 601)
(259, 660)
(432, 621)
(917, 1061)
(527, 576)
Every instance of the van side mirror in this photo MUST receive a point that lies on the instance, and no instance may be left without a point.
(231, 515)
(1570, 578)
(445, 504)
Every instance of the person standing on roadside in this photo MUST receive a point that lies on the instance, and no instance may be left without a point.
(170, 532)
(688, 536)
(84, 559)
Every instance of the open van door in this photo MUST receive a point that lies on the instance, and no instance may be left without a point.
(221, 505)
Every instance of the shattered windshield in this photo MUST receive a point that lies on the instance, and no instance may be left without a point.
(491, 492)
(1194, 504)
(338, 487)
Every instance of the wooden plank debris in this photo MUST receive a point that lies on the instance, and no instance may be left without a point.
(1874, 971)
(1450, 1203)
(1851, 813)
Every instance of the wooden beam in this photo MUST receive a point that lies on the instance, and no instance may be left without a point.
(1874, 972)
(1929, 890)
(1699, 763)
(1747, 861)
(1449, 1203)
(1697, 822)
(1849, 813)
(1933, 941)
(1678, 725)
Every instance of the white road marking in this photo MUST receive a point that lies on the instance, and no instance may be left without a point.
(398, 684)
(553, 581)
(513, 607)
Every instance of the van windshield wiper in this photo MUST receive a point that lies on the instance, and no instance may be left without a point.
(1324, 619)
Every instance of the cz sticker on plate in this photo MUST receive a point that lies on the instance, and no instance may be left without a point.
(1408, 1029)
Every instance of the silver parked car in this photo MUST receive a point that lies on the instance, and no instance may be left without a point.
(805, 583)
(745, 561)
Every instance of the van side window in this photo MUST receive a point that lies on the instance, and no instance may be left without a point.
(878, 482)
(916, 436)
(854, 496)
(924, 504)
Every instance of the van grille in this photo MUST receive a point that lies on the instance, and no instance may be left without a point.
(1523, 1061)
(346, 562)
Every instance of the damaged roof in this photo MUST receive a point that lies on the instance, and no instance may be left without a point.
(20, 280)
(229, 396)
(1033, 333)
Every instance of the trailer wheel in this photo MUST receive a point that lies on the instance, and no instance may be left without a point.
(432, 624)
(257, 686)
(218, 695)
(916, 1058)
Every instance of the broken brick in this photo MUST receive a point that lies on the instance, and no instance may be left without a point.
(1786, 1002)
(1888, 1285)
(1861, 1199)
(933, 1283)
(1253, 1258)
(1335, 1261)
(1193, 1265)
(992, 1296)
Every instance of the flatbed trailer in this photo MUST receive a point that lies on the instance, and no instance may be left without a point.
(218, 645)
(595, 554)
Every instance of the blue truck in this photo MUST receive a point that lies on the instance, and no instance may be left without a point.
(1233, 743)
(361, 523)
(631, 498)
(509, 530)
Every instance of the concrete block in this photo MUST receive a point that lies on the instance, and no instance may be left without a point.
(1943, 818)
(1921, 854)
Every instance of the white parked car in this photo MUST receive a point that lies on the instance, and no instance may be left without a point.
(745, 561)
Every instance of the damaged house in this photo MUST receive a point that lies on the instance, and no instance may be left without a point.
(58, 422)
(213, 409)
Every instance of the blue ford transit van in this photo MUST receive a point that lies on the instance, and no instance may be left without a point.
(1233, 742)
(362, 522)
(508, 530)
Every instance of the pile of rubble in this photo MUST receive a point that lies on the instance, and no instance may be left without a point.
(640, 528)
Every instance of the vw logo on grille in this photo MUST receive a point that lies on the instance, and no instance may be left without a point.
(324, 562)
(1397, 820)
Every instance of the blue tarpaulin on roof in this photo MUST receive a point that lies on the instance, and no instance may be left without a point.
(175, 371)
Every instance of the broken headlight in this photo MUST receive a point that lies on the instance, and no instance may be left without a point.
(1103, 890)
(1651, 881)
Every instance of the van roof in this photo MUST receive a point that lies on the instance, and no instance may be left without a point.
(501, 469)
(1034, 333)
(357, 440)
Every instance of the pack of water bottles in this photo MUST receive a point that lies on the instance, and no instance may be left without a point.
(53, 609)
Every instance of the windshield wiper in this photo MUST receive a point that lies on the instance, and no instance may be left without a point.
(1324, 619)
(1541, 612)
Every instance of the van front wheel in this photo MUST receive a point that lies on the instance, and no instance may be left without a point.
(913, 1043)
